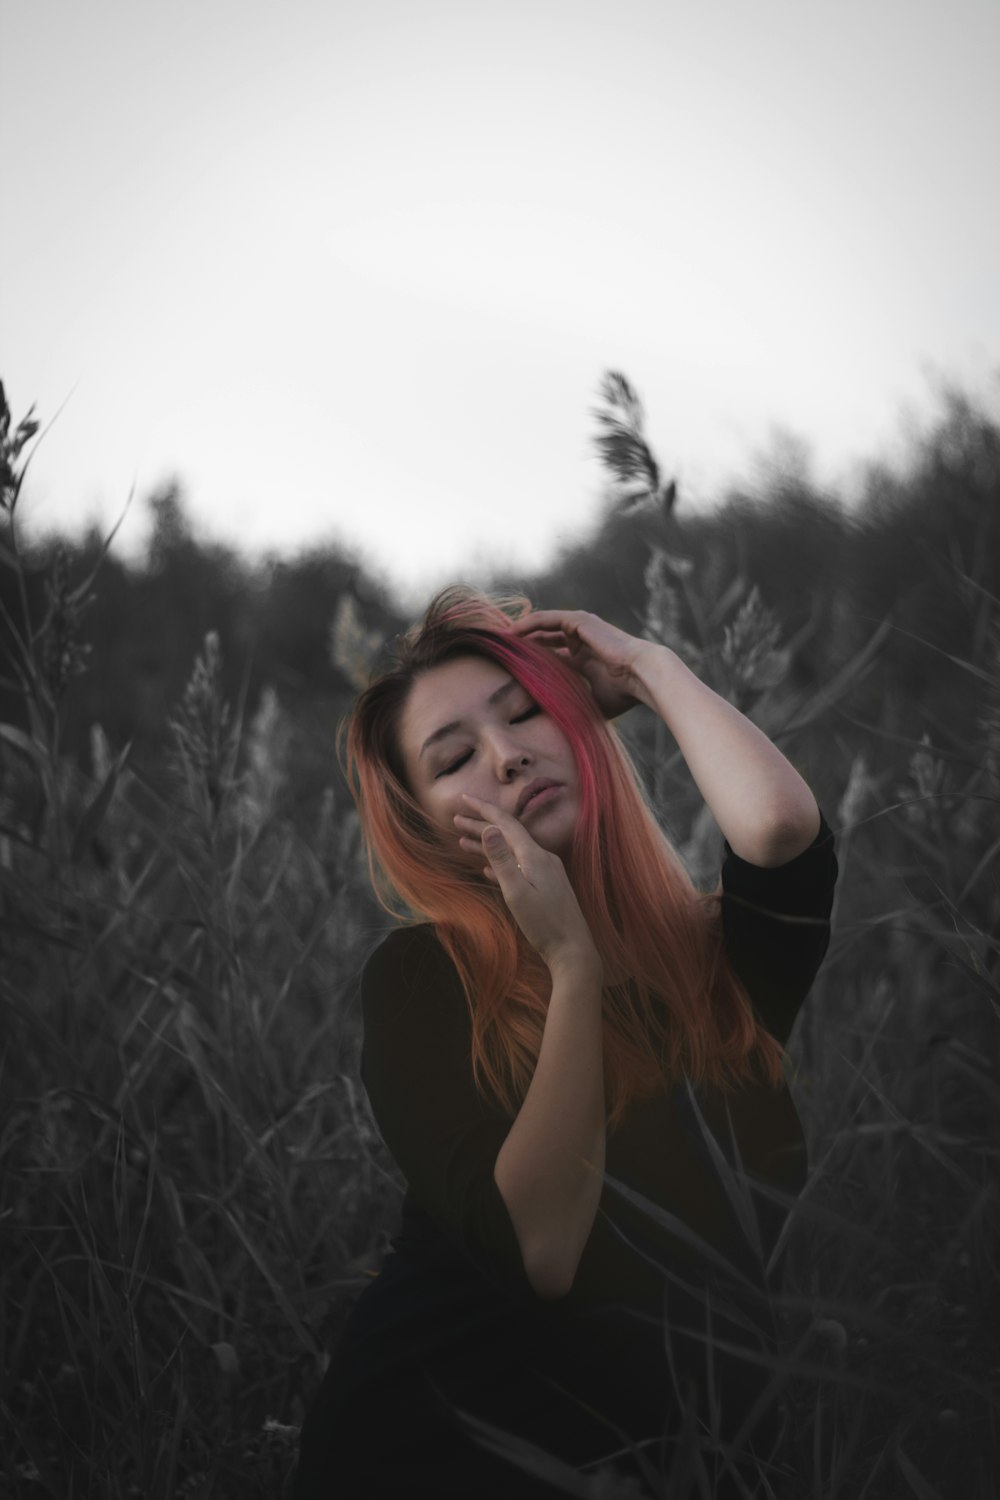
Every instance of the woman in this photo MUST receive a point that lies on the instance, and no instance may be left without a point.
(576, 1059)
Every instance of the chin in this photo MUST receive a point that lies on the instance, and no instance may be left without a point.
(559, 841)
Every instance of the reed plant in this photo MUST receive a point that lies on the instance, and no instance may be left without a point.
(193, 1191)
(190, 1182)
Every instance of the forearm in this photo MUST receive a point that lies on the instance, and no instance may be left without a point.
(761, 803)
(550, 1169)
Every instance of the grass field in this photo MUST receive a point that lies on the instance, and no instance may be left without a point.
(192, 1189)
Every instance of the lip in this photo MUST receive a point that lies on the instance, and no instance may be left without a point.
(540, 784)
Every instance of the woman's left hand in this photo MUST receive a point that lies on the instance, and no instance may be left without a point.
(604, 655)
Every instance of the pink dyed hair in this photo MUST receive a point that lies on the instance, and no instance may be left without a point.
(673, 1005)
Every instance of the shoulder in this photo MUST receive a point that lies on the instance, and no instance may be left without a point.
(401, 941)
(414, 1016)
(407, 959)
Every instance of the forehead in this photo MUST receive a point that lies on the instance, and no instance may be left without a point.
(454, 690)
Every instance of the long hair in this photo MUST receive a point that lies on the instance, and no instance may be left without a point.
(672, 1004)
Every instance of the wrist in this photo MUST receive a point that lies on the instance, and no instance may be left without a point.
(651, 663)
(576, 962)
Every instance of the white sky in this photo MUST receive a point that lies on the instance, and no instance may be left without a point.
(355, 268)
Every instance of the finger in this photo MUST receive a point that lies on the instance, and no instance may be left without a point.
(475, 846)
(473, 843)
(477, 814)
(488, 812)
(545, 619)
(466, 823)
(481, 809)
(503, 860)
(522, 846)
(566, 652)
(545, 637)
(518, 842)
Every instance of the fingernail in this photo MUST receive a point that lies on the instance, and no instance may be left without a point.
(492, 840)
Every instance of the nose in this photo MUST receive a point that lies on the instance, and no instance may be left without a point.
(510, 758)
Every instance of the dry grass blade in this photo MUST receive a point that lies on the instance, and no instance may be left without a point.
(519, 1452)
(918, 1484)
(732, 1177)
(93, 815)
(843, 682)
(681, 1231)
(277, 1290)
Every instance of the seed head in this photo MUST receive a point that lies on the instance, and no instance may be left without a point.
(206, 743)
(10, 450)
(855, 793)
(662, 620)
(750, 646)
(267, 747)
(353, 647)
(929, 777)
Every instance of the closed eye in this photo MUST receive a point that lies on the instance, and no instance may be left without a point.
(529, 713)
(454, 765)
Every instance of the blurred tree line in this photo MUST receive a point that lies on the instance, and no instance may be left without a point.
(918, 556)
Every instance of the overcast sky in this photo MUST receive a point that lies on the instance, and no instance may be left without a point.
(354, 268)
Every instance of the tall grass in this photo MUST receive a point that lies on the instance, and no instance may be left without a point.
(192, 1190)
(189, 1185)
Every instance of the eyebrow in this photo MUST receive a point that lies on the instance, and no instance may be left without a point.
(446, 729)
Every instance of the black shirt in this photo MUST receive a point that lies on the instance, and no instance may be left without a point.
(417, 1069)
(452, 1312)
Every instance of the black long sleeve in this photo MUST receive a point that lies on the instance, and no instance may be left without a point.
(776, 924)
(417, 1070)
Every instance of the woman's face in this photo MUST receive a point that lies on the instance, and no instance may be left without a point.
(468, 726)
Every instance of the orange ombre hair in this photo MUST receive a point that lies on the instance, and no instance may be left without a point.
(673, 1005)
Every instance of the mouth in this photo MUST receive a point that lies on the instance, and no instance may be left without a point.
(532, 791)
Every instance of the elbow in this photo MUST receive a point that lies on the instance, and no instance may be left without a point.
(780, 841)
(793, 838)
(550, 1282)
(546, 1290)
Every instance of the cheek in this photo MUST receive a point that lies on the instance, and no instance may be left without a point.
(436, 806)
(447, 809)
(445, 802)
(561, 748)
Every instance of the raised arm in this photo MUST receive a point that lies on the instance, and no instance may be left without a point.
(759, 800)
(762, 805)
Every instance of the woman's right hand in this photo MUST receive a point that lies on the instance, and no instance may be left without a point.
(533, 882)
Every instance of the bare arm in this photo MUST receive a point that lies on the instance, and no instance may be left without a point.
(550, 1169)
(763, 806)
